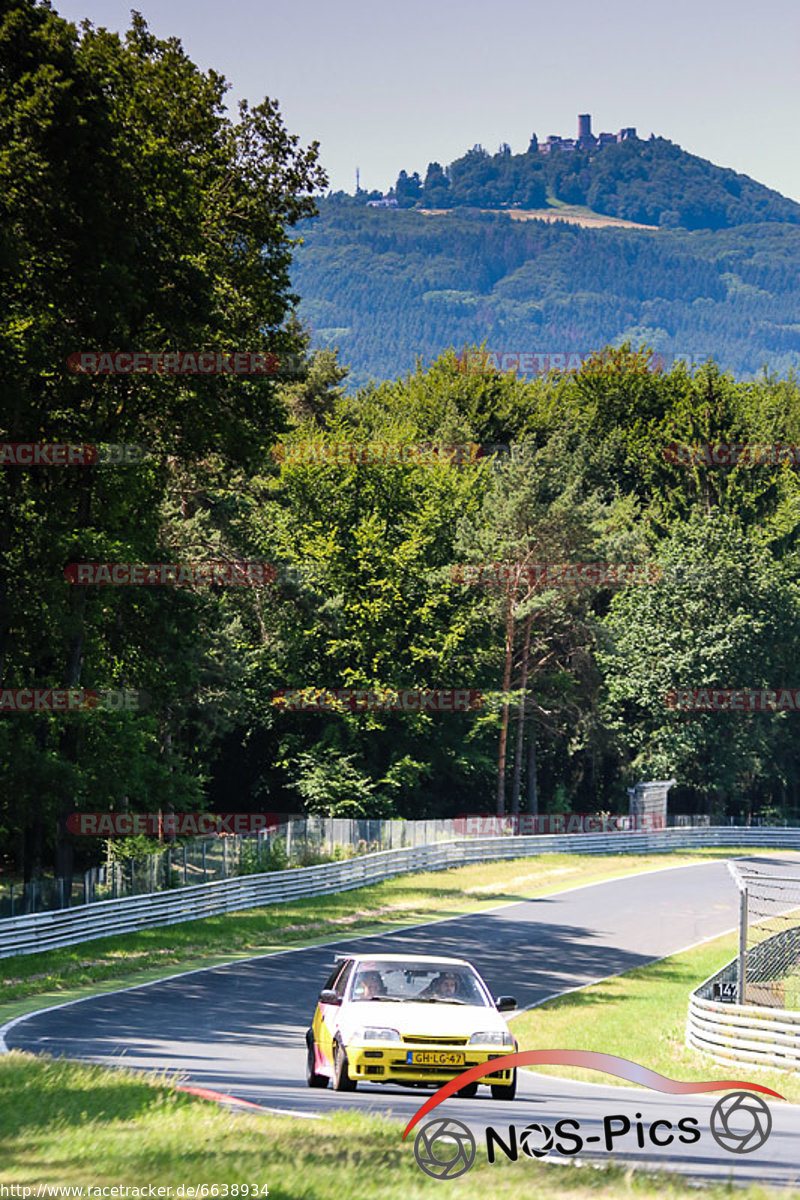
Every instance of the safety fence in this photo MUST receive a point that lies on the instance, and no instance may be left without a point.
(749, 1011)
(298, 842)
(752, 1033)
(44, 931)
(303, 842)
(770, 927)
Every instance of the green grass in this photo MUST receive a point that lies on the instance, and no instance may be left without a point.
(31, 981)
(641, 1015)
(72, 1124)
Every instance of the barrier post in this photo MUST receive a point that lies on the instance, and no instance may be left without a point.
(742, 970)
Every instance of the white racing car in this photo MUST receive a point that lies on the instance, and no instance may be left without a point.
(416, 1021)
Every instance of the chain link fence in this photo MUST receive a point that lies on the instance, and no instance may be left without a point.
(302, 842)
(198, 861)
(768, 965)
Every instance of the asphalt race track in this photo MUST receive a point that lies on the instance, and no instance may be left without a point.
(240, 1029)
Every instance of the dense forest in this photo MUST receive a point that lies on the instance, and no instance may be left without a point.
(387, 286)
(175, 228)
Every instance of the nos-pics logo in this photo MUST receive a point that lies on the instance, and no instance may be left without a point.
(445, 1148)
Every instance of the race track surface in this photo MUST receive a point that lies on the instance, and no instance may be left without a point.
(240, 1029)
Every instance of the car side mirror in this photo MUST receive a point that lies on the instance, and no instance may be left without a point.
(505, 1003)
(329, 996)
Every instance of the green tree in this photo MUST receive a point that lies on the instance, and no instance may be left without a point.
(725, 615)
(135, 215)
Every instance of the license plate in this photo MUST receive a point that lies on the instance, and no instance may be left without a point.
(435, 1058)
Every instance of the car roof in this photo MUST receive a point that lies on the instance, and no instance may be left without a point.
(405, 958)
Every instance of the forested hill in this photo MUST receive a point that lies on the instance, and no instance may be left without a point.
(654, 182)
(715, 275)
(387, 286)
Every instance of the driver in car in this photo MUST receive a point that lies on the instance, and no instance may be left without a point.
(444, 987)
(369, 985)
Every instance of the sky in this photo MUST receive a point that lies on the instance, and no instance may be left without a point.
(391, 84)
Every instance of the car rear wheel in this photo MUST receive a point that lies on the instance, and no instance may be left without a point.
(312, 1078)
(505, 1091)
(468, 1091)
(341, 1079)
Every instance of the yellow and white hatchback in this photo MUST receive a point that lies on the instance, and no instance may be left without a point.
(415, 1021)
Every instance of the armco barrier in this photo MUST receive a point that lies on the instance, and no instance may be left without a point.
(762, 1035)
(66, 927)
(748, 1033)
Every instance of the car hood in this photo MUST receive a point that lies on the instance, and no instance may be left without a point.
(437, 1020)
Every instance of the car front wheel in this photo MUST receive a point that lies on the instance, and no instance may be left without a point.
(505, 1091)
(468, 1091)
(341, 1079)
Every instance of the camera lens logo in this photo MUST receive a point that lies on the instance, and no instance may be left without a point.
(534, 1133)
(741, 1122)
(444, 1149)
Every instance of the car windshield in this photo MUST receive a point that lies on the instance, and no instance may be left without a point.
(433, 983)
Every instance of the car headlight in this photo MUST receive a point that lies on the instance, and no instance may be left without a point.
(491, 1038)
(374, 1033)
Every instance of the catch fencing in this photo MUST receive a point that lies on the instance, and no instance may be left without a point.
(299, 842)
(31, 933)
(749, 1010)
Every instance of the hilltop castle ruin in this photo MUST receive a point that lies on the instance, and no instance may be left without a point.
(585, 140)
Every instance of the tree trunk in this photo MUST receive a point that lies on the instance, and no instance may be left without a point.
(10, 483)
(70, 738)
(501, 754)
(521, 717)
(533, 780)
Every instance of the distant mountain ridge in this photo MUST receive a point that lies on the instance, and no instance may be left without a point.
(654, 182)
(718, 276)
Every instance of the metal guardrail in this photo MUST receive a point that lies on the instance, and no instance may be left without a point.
(33, 933)
(758, 1034)
(300, 841)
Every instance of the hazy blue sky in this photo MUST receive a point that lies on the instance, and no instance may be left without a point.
(387, 84)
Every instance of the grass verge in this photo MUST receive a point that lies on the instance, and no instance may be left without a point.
(32, 981)
(78, 1125)
(641, 1015)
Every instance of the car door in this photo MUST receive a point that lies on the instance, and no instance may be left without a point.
(326, 1017)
